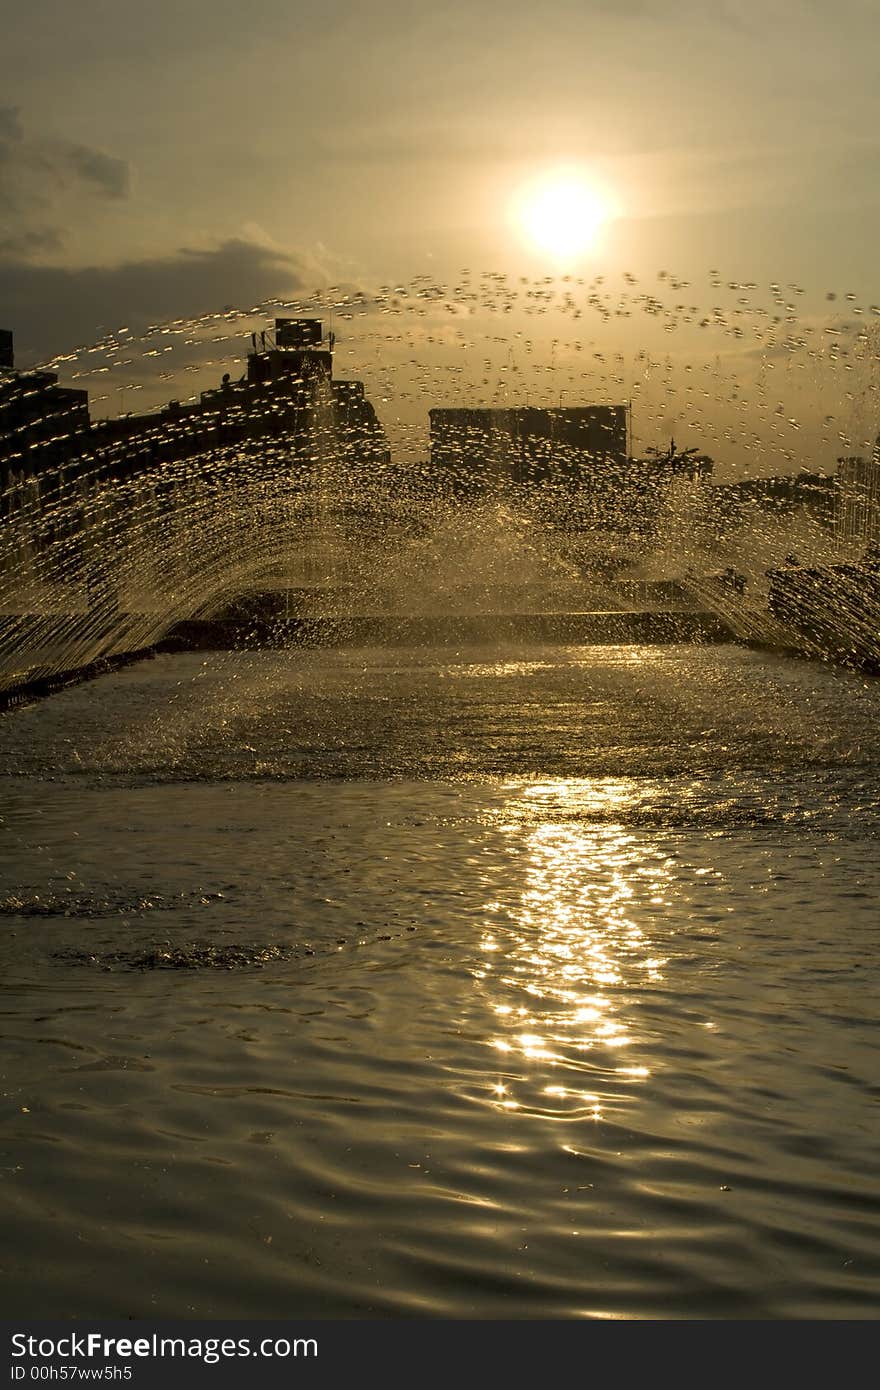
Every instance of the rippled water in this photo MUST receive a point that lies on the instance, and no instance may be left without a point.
(482, 983)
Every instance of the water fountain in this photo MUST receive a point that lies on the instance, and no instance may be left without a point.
(275, 498)
(485, 960)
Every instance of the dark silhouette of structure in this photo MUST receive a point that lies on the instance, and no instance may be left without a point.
(288, 395)
(815, 493)
(858, 498)
(41, 423)
(576, 459)
(481, 450)
(835, 608)
(7, 357)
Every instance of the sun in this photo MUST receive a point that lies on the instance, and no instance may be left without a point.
(564, 215)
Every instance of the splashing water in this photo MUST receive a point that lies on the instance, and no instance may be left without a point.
(113, 535)
(522, 978)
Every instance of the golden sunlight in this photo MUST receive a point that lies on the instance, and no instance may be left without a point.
(564, 215)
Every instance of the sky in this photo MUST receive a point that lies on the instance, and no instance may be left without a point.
(165, 161)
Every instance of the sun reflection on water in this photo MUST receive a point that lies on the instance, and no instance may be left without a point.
(564, 963)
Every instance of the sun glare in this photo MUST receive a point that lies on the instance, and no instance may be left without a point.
(564, 215)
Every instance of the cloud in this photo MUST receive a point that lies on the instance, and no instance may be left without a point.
(43, 179)
(53, 309)
(30, 242)
(10, 126)
(100, 172)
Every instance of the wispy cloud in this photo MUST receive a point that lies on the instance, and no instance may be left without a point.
(41, 174)
(52, 309)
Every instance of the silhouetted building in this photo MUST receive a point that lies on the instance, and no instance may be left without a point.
(858, 502)
(835, 607)
(299, 353)
(287, 395)
(39, 420)
(814, 493)
(481, 450)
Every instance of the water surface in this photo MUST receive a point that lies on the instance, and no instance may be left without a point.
(491, 982)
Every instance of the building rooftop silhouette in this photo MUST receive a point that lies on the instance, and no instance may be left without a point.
(525, 444)
(45, 427)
